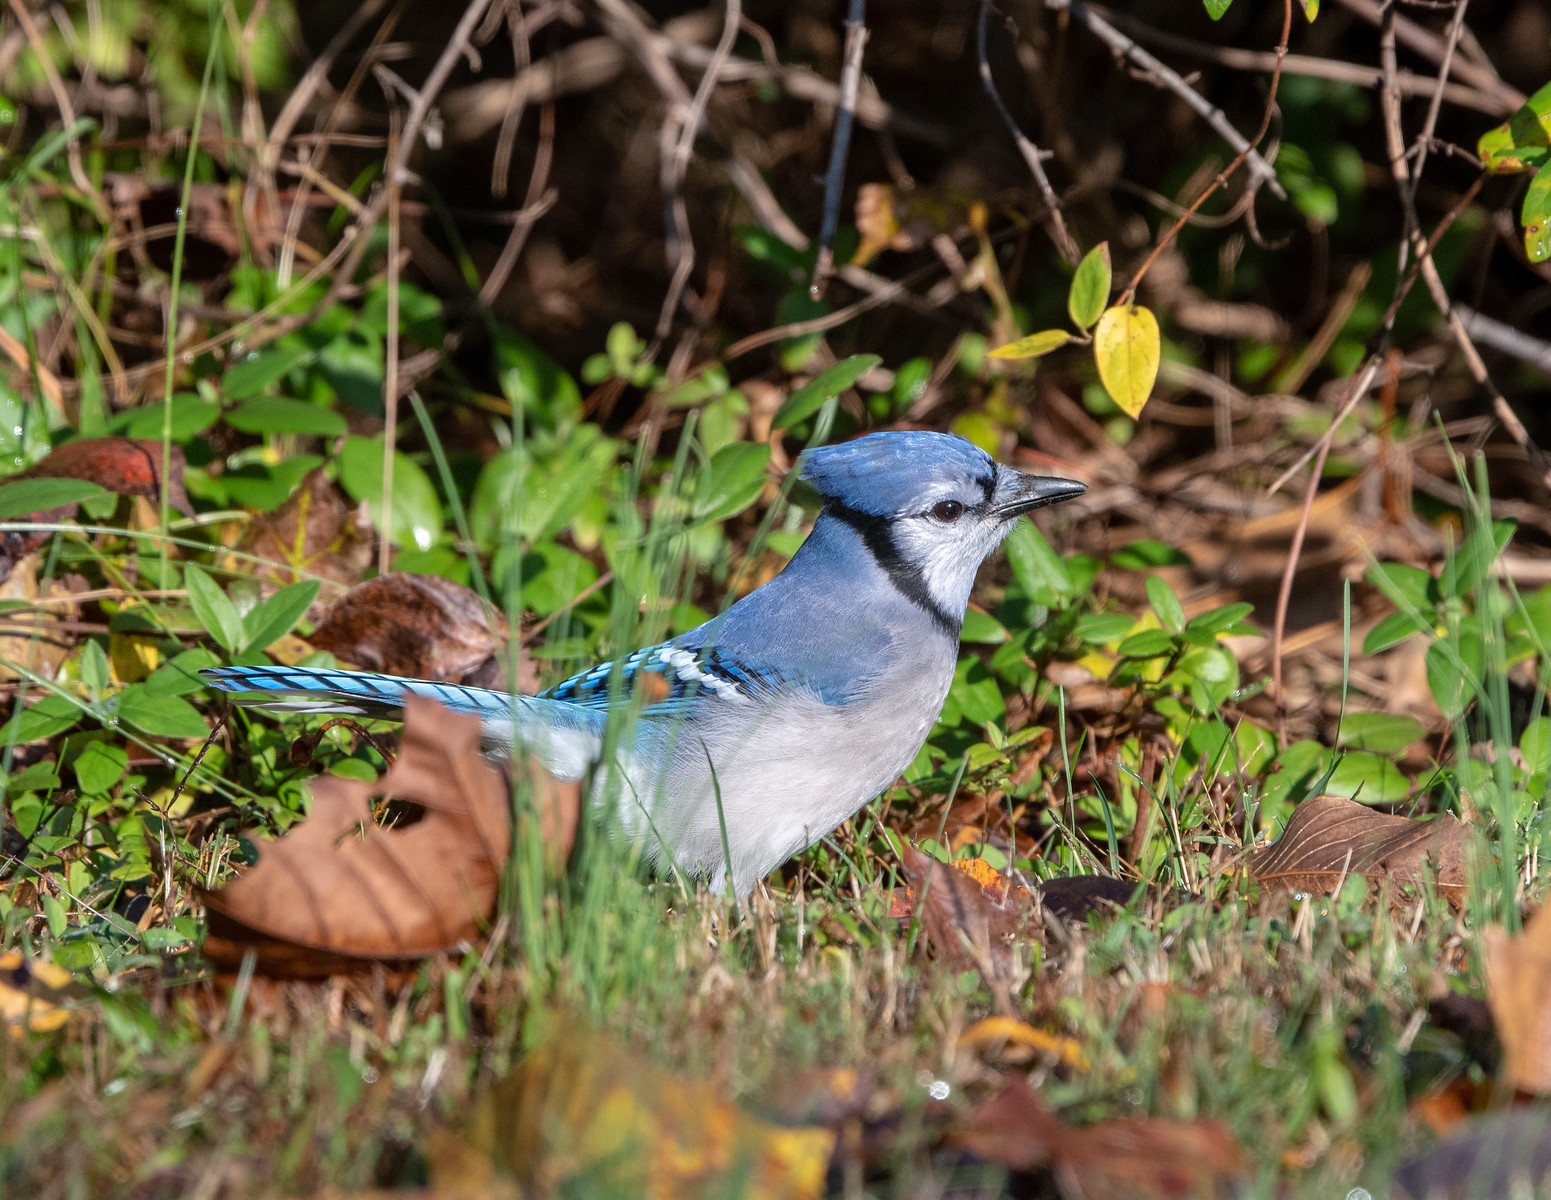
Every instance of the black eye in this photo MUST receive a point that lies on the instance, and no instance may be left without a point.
(947, 510)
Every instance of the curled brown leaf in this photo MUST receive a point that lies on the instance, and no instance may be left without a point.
(340, 887)
(419, 626)
(1330, 839)
(1518, 987)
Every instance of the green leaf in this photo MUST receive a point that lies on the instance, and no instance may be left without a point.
(417, 512)
(1098, 629)
(1036, 566)
(264, 486)
(1033, 346)
(1310, 9)
(257, 371)
(1454, 670)
(191, 415)
(1089, 293)
(276, 414)
(534, 382)
(1535, 746)
(99, 766)
(1368, 778)
(1148, 644)
(24, 496)
(214, 610)
(162, 716)
(1216, 8)
(1139, 556)
(1219, 620)
(981, 628)
(731, 481)
(1536, 216)
(49, 716)
(181, 676)
(1391, 631)
(1384, 732)
(95, 673)
(39, 777)
(811, 397)
(1403, 586)
(273, 619)
(1165, 603)
(1127, 348)
(1462, 570)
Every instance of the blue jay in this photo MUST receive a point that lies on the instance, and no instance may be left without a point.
(769, 725)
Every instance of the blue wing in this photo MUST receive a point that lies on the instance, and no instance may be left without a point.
(674, 678)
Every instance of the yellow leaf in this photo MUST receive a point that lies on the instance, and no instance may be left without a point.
(1034, 345)
(28, 991)
(1005, 1030)
(1126, 346)
(583, 1114)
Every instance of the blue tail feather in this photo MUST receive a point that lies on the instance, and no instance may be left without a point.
(303, 689)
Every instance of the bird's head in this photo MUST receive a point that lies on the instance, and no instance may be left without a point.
(929, 506)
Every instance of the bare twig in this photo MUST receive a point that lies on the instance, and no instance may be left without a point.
(390, 376)
(1394, 140)
(66, 111)
(1166, 77)
(1505, 338)
(1246, 154)
(1032, 154)
(1431, 47)
(834, 177)
(1491, 102)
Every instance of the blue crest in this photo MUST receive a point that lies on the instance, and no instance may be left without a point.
(885, 474)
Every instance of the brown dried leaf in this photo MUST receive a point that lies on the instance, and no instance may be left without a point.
(967, 928)
(128, 466)
(1330, 838)
(344, 886)
(419, 626)
(1128, 1159)
(38, 639)
(314, 533)
(1518, 987)
(582, 1110)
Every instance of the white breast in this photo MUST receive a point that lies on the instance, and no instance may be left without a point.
(787, 770)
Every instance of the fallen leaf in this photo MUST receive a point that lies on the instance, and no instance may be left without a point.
(1505, 1154)
(33, 995)
(996, 1032)
(418, 626)
(1518, 987)
(342, 887)
(1330, 838)
(314, 534)
(1075, 897)
(128, 466)
(38, 638)
(582, 1115)
(1127, 1159)
(965, 926)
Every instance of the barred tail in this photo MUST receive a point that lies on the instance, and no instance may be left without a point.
(564, 737)
(300, 689)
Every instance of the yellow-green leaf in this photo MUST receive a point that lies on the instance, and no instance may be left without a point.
(1536, 216)
(1311, 9)
(1034, 345)
(1126, 346)
(1090, 287)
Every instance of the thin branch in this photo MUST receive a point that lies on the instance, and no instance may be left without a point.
(1430, 46)
(1031, 153)
(390, 377)
(1246, 153)
(1491, 102)
(1166, 77)
(834, 178)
